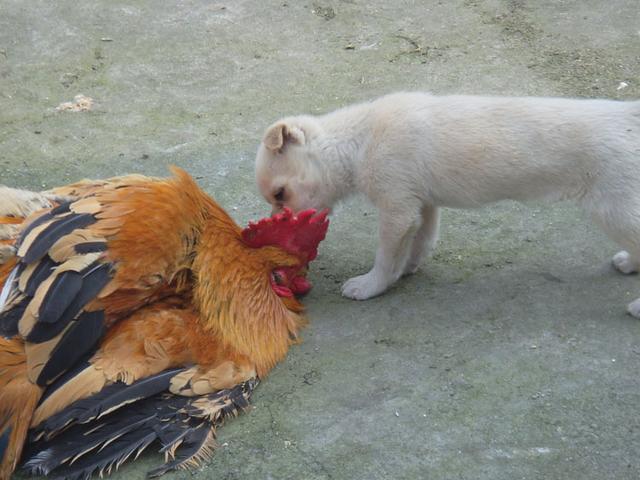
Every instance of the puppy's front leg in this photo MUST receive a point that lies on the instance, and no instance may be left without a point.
(397, 231)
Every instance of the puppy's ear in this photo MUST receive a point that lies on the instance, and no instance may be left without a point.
(281, 134)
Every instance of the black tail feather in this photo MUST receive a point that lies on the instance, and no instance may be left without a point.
(196, 445)
(108, 399)
(81, 338)
(107, 459)
(68, 375)
(184, 427)
(92, 279)
(90, 247)
(64, 207)
(45, 217)
(39, 274)
(77, 443)
(53, 232)
(9, 319)
(59, 296)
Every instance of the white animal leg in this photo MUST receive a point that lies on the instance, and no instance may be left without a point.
(397, 230)
(621, 220)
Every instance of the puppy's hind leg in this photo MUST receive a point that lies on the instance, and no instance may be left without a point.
(425, 240)
(621, 220)
(397, 229)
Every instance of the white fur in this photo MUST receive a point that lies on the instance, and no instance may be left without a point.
(411, 153)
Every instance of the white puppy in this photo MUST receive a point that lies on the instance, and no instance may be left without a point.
(411, 153)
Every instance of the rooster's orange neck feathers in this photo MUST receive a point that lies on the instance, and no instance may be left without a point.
(256, 323)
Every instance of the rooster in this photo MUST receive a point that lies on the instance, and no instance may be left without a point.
(135, 310)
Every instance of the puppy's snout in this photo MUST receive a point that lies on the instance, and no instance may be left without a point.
(276, 209)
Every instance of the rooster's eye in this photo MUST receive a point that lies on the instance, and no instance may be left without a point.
(279, 195)
(277, 278)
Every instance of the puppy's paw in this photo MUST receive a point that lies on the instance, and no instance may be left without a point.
(363, 287)
(624, 263)
(634, 308)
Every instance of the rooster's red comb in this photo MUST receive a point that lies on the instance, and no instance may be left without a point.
(297, 234)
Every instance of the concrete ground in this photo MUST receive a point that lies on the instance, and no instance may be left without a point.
(508, 356)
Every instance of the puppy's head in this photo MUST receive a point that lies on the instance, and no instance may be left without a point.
(288, 171)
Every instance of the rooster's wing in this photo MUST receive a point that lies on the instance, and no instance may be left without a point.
(89, 262)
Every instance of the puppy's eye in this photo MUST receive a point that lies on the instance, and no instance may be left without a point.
(279, 195)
